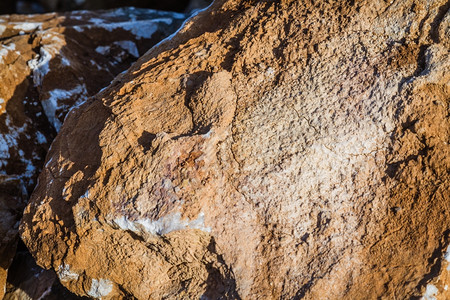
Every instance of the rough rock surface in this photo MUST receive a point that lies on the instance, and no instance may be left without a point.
(271, 149)
(49, 64)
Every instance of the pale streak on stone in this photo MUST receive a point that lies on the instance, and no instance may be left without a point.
(65, 274)
(162, 226)
(100, 288)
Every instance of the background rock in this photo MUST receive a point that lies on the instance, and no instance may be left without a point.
(49, 64)
(12, 202)
(7, 6)
(172, 5)
(288, 149)
(41, 6)
(28, 281)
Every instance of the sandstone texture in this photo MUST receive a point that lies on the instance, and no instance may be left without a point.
(268, 150)
(49, 64)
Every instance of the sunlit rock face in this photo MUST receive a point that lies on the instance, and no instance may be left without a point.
(268, 150)
(50, 64)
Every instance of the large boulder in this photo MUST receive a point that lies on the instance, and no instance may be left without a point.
(271, 149)
(49, 64)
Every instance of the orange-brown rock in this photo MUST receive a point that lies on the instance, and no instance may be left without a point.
(49, 64)
(269, 150)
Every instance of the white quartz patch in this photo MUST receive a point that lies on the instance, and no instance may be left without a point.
(163, 225)
(447, 254)
(40, 66)
(65, 61)
(10, 47)
(100, 288)
(45, 293)
(5, 49)
(102, 49)
(96, 65)
(9, 141)
(85, 195)
(447, 257)
(2, 29)
(51, 105)
(3, 53)
(78, 28)
(65, 274)
(29, 169)
(128, 46)
(141, 29)
(430, 292)
(27, 26)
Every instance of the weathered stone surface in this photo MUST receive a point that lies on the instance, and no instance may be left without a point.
(287, 149)
(49, 64)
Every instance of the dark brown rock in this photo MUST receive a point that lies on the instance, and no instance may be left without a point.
(13, 196)
(27, 281)
(168, 5)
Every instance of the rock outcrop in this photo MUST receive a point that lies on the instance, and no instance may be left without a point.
(269, 150)
(49, 64)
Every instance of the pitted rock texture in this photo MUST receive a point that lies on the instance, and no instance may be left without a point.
(49, 64)
(271, 149)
